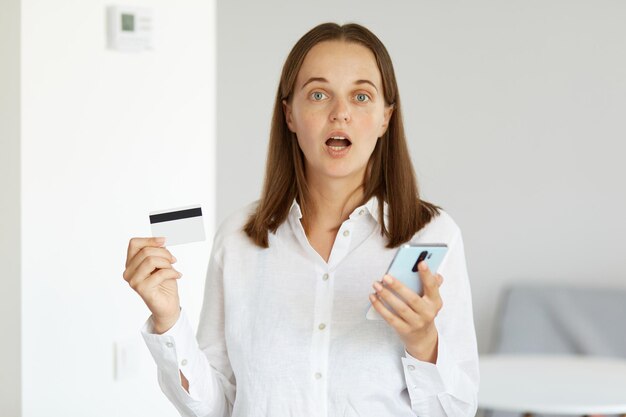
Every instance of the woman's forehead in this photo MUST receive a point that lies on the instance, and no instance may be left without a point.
(339, 60)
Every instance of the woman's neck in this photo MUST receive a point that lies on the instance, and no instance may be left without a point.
(331, 203)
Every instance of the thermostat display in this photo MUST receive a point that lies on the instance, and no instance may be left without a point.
(129, 28)
(128, 22)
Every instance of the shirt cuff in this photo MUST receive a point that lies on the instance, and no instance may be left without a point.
(174, 350)
(424, 379)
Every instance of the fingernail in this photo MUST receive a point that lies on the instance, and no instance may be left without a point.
(180, 275)
(422, 266)
(174, 259)
(388, 279)
(160, 240)
(377, 286)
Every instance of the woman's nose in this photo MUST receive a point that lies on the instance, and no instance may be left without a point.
(340, 111)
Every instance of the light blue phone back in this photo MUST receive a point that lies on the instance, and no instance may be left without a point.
(403, 263)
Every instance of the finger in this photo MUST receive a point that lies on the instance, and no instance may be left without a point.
(140, 257)
(439, 279)
(144, 253)
(138, 243)
(146, 268)
(399, 305)
(412, 298)
(393, 320)
(429, 281)
(157, 279)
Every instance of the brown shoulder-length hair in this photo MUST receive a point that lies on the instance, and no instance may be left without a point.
(390, 175)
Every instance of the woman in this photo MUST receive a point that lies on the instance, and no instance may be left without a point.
(283, 330)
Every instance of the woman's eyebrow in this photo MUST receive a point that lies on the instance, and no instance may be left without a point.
(324, 80)
(312, 79)
(366, 82)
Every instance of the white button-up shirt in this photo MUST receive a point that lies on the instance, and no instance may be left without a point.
(283, 333)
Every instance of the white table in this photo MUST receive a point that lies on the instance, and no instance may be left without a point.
(552, 384)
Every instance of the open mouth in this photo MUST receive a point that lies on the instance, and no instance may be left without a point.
(338, 143)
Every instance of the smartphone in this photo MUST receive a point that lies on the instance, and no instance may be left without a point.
(403, 267)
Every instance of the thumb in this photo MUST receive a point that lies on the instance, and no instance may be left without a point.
(439, 280)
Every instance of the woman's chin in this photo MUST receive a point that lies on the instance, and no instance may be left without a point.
(344, 173)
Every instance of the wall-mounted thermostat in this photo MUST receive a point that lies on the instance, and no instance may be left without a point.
(129, 28)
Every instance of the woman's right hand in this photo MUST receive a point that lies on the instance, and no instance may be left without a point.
(150, 273)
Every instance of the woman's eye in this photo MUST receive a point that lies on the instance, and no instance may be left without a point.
(362, 98)
(318, 95)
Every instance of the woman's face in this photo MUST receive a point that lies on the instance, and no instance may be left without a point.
(337, 110)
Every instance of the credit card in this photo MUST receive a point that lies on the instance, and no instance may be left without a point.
(179, 225)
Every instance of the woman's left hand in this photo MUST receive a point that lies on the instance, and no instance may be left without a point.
(414, 318)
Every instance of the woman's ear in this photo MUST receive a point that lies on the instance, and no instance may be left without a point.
(288, 117)
(387, 116)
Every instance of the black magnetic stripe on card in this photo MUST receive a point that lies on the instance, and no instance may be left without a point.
(175, 215)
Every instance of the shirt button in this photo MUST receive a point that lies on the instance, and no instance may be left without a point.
(325, 277)
(322, 326)
(183, 362)
(318, 375)
(169, 344)
(411, 367)
(346, 233)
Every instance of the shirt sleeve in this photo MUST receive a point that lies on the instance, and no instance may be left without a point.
(205, 365)
(449, 387)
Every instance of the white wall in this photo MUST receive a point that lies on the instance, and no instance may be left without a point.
(514, 113)
(107, 137)
(10, 254)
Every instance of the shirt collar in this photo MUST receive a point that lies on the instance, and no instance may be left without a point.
(370, 207)
(295, 211)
